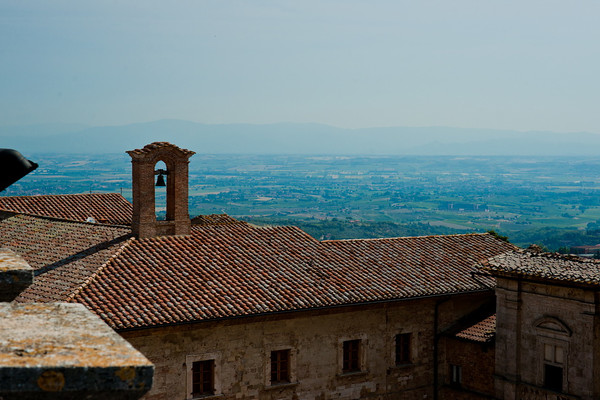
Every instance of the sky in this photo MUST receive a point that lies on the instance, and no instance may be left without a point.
(511, 64)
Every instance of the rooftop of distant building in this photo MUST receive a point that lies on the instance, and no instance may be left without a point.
(535, 264)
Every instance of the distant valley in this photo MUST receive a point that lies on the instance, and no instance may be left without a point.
(552, 201)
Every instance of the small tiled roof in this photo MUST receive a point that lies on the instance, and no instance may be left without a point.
(158, 146)
(216, 219)
(483, 330)
(223, 271)
(62, 253)
(109, 208)
(544, 266)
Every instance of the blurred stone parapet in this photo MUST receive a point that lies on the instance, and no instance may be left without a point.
(63, 351)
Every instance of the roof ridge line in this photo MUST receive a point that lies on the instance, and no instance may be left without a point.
(406, 237)
(93, 276)
(73, 221)
(63, 194)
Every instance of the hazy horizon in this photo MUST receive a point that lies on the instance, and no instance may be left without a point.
(303, 138)
(65, 127)
(524, 66)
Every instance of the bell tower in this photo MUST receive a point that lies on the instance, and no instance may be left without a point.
(143, 168)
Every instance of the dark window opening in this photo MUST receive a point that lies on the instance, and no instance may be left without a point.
(280, 366)
(351, 356)
(455, 375)
(203, 376)
(403, 349)
(553, 377)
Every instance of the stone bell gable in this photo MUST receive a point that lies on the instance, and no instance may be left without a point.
(144, 223)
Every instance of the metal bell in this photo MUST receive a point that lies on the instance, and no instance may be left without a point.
(160, 180)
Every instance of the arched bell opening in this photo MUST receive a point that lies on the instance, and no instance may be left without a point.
(164, 192)
(160, 190)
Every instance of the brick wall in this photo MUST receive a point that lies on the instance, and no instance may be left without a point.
(476, 361)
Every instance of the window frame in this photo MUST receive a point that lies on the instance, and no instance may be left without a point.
(362, 354)
(276, 367)
(351, 356)
(403, 349)
(552, 333)
(292, 353)
(553, 366)
(455, 375)
(190, 360)
(205, 374)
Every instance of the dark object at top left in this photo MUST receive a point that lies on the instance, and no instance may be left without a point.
(13, 166)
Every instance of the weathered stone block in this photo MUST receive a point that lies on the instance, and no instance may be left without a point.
(63, 351)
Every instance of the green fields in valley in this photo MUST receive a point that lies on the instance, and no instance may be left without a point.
(553, 201)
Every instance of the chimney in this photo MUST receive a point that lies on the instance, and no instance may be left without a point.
(143, 168)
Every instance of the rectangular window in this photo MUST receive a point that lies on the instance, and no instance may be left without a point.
(553, 367)
(553, 353)
(351, 356)
(280, 366)
(403, 349)
(455, 374)
(203, 378)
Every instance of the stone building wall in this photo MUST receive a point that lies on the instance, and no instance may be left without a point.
(476, 361)
(241, 349)
(534, 317)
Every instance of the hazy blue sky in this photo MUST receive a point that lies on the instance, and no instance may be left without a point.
(515, 64)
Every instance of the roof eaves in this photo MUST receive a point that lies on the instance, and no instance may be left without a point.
(306, 309)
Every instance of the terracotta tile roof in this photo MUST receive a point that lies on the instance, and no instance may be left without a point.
(216, 219)
(482, 330)
(232, 269)
(62, 253)
(149, 148)
(223, 271)
(110, 208)
(545, 266)
(424, 265)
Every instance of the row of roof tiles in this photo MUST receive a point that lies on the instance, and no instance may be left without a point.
(482, 330)
(107, 208)
(545, 266)
(63, 254)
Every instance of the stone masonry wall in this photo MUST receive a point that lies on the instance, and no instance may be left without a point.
(241, 350)
(531, 315)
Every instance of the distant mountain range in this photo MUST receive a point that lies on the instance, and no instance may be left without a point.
(293, 138)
